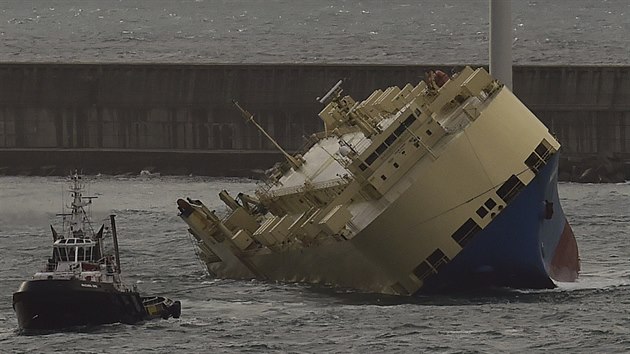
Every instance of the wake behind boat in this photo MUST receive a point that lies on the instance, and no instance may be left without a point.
(81, 284)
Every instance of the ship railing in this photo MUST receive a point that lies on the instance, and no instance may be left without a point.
(305, 187)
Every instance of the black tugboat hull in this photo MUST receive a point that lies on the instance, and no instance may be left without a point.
(55, 304)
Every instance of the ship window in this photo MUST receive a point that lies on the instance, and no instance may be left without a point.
(62, 254)
(543, 151)
(466, 232)
(490, 203)
(399, 130)
(371, 158)
(437, 259)
(510, 188)
(88, 254)
(409, 121)
(423, 270)
(79, 241)
(399, 289)
(383, 177)
(429, 133)
(482, 212)
(390, 139)
(81, 254)
(381, 149)
(71, 240)
(534, 162)
(431, 265)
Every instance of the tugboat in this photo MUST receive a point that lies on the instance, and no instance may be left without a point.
(81, 283)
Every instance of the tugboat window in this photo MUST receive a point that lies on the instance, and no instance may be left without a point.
(62, 254)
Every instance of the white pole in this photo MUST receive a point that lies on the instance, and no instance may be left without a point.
(501, 41)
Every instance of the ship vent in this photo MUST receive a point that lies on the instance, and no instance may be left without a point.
(431, 265)
(466, 232)
(510, 189)
(539, 157)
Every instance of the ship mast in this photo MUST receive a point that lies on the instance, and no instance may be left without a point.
(295, 163)
(501, 41)
(77, 215)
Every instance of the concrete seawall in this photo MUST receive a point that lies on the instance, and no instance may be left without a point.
(167, 116)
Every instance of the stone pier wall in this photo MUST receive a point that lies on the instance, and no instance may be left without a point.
(187, 108)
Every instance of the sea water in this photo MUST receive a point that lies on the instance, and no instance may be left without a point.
(558, 32)
(157, 255)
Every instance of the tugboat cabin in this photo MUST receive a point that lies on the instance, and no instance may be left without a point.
(75, 250)
(79, 258)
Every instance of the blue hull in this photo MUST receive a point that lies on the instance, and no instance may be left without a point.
(525, 246)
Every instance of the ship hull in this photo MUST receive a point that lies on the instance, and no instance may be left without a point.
(529, 245)
(56, 304)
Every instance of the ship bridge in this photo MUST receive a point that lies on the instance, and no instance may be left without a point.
(75, 250)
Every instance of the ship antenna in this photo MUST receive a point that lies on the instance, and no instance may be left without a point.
(295, 163)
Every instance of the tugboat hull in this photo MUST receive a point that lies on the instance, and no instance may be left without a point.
(55, 303)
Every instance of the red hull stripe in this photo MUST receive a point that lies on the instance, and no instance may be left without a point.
(565, 264)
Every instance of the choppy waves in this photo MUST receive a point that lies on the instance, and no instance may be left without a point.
(282, 31)
(251, 316)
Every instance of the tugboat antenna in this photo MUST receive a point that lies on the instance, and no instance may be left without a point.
(250, 118)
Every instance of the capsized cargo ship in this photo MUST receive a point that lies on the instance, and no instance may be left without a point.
(434, 187)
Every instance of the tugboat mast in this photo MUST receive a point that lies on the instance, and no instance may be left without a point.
(115, 239)
(78, 215)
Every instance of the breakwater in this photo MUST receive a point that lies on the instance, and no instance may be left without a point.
(179, 118)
